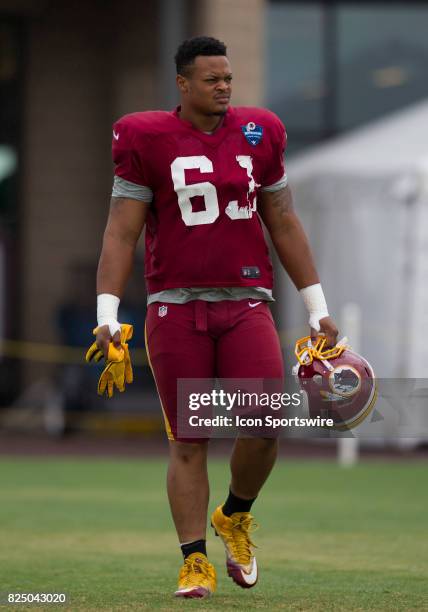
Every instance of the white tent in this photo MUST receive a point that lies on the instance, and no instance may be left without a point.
(363, 199)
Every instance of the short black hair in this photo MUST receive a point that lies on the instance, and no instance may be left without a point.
(191, 48)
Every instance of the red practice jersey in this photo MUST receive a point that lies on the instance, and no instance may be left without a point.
(202, 228)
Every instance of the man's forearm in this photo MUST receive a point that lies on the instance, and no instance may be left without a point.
(124, 226)
(292, 246)
(294, 252)
(288, 237)
(115, 266)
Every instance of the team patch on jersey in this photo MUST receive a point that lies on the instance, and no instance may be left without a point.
(162, 311)
(252, 132)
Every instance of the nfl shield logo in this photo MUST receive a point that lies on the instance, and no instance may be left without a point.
(252, 132)
(162, 310)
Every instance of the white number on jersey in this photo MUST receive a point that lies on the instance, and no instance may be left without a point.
(208, 191)
(233, 210)
(185, 192)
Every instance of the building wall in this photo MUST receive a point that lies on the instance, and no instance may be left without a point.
(84, 69)
(239, 24)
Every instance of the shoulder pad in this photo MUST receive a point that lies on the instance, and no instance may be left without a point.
(145, 123)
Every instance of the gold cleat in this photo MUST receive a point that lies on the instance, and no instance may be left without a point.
(197, 577)
(235, 532)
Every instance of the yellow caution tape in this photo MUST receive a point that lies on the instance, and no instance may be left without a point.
(55, 353)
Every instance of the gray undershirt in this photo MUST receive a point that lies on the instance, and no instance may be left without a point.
(210, 294)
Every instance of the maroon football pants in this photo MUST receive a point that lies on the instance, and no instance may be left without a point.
(228, 339)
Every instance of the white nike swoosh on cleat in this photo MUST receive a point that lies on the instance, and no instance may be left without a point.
(252, 576)
(195, 592)
(253, 305)
(249, 579)
(115, 136)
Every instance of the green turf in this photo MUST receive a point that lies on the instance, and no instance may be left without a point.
(330, 539)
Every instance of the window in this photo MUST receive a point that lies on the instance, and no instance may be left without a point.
(332, 67)
(294, 63)
(382, 60)
(10, 109)
(9, 122)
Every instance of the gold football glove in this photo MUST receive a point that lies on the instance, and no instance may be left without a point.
(118, 370)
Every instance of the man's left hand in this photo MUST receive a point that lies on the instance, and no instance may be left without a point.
(329, 329)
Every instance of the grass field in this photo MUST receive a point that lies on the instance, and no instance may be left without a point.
(330, 539)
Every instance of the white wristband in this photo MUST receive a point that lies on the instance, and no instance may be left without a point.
(313, 297)
(107, 307)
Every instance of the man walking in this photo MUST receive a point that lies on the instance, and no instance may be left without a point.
(201, 179)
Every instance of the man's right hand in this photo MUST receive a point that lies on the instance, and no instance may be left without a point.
(118, 369)
(103, 339)
(105, 345)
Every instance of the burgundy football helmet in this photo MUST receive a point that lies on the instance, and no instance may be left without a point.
(338, 383)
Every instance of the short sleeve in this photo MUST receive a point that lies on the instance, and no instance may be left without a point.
(127, 158)
(275, 173)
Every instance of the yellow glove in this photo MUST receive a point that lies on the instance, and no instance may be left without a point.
(112, 375)
(118, 368)
(129, 375)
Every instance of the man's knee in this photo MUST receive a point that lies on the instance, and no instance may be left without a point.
(262, 445)
(188, 452)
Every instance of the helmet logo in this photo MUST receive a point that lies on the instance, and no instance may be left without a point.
(345, 381)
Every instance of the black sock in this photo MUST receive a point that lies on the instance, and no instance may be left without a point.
(199, 546)
(236, 504)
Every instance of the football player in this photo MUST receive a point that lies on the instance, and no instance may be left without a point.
(201, 179)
